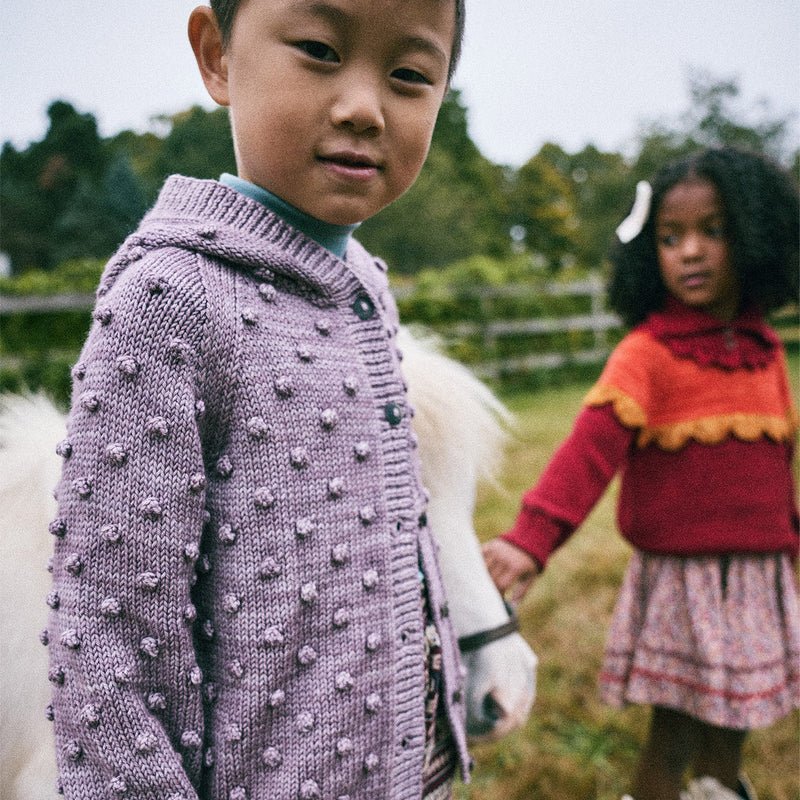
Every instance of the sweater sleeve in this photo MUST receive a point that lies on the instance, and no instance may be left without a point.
(573, 481)
(126, 697)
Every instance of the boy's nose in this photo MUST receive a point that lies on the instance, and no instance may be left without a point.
(359, 106)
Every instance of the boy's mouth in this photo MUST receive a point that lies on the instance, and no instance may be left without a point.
(350, 162)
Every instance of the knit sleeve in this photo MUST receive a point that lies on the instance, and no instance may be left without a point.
(126, 697)
(573, 481)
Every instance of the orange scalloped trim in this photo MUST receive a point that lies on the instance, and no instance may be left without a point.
(713, 430)
(707, 430)
(626, 409)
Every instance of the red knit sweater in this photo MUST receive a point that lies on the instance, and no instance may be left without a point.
(698, 416)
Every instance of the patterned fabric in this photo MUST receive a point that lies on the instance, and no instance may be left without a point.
(717, 638)
(441, 757)
(235, 606)
(673, 400)
(441, 762)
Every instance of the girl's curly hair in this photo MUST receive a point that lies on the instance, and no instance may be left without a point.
(760, 203)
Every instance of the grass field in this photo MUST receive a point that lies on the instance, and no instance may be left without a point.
(572, 747)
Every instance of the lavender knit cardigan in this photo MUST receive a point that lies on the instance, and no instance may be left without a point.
(236, 597)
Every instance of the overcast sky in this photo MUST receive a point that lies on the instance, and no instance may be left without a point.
(567, 72)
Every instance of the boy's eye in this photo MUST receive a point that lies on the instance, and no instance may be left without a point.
(715, 232)
(410, 76)
(319, 51)
(668, 240)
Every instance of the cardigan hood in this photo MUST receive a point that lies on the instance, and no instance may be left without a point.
(211, 219)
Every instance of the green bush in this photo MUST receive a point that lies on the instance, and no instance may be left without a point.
(38, 349)
(472, 290)
(28, 333)
(481, 290)
(48, 373)
(78, 276)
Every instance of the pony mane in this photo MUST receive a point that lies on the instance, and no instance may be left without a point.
(30, 428)
(458, 420)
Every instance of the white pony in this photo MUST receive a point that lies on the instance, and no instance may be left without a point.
(459, 426)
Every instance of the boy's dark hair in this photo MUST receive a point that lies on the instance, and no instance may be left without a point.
(760, 203)
(225, 11)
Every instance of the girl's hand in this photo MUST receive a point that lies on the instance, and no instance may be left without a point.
(510, 567)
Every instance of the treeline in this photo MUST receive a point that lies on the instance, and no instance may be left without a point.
(75, 195)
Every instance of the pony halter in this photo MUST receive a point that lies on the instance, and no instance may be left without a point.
(474, 641)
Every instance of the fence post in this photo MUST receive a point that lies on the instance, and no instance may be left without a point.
(598, 295)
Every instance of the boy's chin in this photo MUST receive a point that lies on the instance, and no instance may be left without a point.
(348, 210)
(344, 216)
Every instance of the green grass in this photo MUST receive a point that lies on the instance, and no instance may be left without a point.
(573, 748)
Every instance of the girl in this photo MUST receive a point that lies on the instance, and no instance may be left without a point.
(694, 408)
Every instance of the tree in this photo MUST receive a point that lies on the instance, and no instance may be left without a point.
(38, 184)
(457, 207)
(714, 119)
(99, 217)
(600, 189)
(543, 206)
(75, 195)
(199, 144)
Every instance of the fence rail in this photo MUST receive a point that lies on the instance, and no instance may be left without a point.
(599, 322)
(46, 304)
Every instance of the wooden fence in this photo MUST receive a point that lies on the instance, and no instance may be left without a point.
(598, 322)
(46, 304)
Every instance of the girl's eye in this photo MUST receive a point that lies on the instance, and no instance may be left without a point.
(715, 232)
(319, 51)
(410, 76)
(668, 240)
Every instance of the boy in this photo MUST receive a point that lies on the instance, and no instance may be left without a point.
(237, 611)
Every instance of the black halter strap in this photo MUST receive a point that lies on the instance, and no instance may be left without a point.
(480, 639)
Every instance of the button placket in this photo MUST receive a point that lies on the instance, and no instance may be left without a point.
(393, 414)
(363, 307)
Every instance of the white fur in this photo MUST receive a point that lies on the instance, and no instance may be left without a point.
(459, 425)
(461, 429)
(30, 427)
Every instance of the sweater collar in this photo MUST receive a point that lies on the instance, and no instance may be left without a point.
(333, 237)
(208, 217)
(745, 342)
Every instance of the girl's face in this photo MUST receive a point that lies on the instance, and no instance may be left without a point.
(693, 252)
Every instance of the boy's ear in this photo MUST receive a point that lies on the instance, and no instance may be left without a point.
(206, 40)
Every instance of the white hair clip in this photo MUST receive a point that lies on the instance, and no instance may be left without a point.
(632, 225)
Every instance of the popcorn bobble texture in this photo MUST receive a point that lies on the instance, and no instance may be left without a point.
(236, 502)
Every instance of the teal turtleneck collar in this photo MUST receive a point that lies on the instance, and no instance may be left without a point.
(333, 237)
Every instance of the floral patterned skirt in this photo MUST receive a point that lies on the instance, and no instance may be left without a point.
(715, 637)
(440, 750)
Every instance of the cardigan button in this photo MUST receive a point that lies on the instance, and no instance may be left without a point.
(393, 413)
(363, 307)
